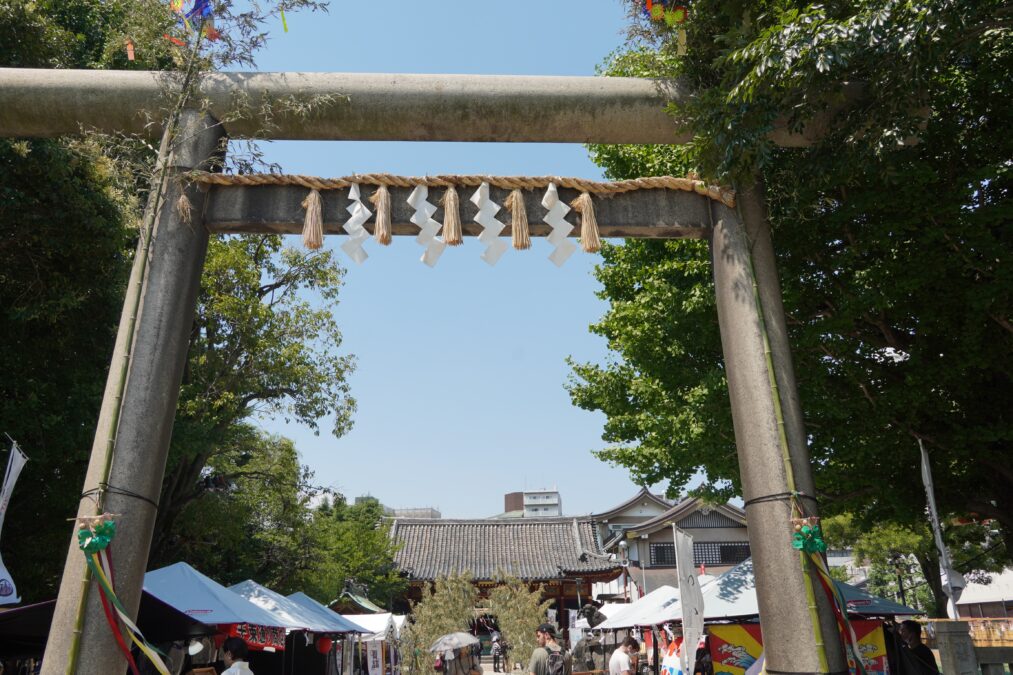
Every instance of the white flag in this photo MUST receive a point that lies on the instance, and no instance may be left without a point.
(8, 591)
(690, 599)
(953, 583)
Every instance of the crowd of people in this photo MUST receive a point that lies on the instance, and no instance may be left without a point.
(911, 655)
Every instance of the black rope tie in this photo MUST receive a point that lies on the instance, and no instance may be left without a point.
(778, 497)
(113, 490)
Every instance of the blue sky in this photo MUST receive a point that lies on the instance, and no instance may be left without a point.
(461, 368)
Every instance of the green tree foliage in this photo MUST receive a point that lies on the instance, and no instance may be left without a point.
(67, 218)
(68, 213)
(894, 259)
(447, 606)
(253, 520)
(519, 610)
(59, 310)
(257, 346)
(355, 547)
(256, 520)
(908, 552)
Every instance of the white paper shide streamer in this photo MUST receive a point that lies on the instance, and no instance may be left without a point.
(690, 598)
(357, 234)
(491, 227)
(429, 227)
(16, 462)
(556, 219)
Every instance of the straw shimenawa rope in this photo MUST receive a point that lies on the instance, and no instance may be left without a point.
(599, 188)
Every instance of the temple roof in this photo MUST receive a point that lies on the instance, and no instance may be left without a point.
(531, 549)
(684, 509)
(644, 495)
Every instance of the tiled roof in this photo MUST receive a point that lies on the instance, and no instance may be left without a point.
(682, 510)
(643, 495)
(532, 549)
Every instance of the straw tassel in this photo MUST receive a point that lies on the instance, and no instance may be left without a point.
(589, 239)
(381, 199)
(519, 220)
(451, 217)
(184, 209)
(313, 226)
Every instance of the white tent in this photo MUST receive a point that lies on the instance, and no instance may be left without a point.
(379, 627)
(733, 596)
(292, 615)
(634, 613)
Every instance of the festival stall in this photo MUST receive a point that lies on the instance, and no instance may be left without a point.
(184, 588)
(733, 596)
(379, 643)
(24, 630)
(343, 649)
(314, 643)
(731, 610)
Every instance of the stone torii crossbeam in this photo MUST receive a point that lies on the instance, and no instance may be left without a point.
(138, 408)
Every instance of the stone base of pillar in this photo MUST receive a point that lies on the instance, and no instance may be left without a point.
(956, 651)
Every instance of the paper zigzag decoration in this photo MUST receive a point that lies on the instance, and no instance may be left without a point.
(357, 234)
(429, 227)
(556, 219)
(491, 227)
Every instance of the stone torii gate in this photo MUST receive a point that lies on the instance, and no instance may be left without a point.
(135, 423)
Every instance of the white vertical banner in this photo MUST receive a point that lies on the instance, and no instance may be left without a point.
(690, 599)
(16, 462)
(944, 555)
(373, 648)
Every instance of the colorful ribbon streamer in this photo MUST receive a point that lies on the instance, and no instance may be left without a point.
(94, 540)
(808, 540)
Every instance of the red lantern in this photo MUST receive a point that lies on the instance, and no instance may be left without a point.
(324, 644)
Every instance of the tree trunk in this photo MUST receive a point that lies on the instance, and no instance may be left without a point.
(929, 562)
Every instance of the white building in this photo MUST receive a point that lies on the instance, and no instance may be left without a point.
(542, 504)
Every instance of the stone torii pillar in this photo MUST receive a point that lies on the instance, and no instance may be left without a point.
(459, 108)
(138, 409)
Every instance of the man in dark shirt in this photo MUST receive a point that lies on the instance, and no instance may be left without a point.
(915, 657)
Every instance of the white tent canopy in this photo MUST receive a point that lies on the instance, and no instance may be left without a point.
(634, 613)
(289, 613)
(733, 596)
(379, 627)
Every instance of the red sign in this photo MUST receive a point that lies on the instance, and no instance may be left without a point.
(257, 637)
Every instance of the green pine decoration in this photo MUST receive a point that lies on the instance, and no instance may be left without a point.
(96, 538)
(809, 538)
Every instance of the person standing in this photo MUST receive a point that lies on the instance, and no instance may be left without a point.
(915, 656)
(548, 658)
(620, 663)
(235, 653)
(497, 654)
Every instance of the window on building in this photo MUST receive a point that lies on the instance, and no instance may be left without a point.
(704, 553)
(720, 553)
(662, 555)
